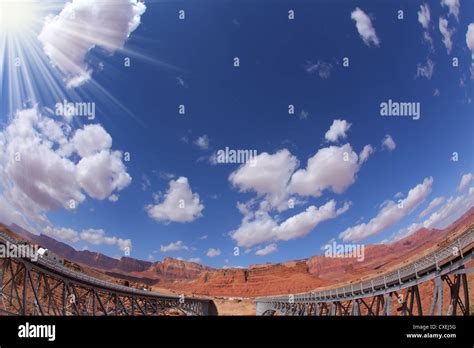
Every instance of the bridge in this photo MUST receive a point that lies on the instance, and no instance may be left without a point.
(446, 267)
(47, 287)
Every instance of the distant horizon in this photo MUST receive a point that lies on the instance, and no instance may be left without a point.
(13, 226)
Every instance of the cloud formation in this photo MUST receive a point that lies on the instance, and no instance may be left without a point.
(259, 227)
(366, 152)
(40, 171)
(213, 252)
(62, 233)
(174, 246)
(470, 37)
(390, 214)
(425, 70)
(424, 16)
(453, 6)
(465, 181)
(92, 236)
(178, 204)
(280, 185)
(331, 168)
(268, 175)
(337, 130)
(267, 250)
(446, 33)
(83, 25)
(389, 143)
(447, 214)
(364, 27)
(202, 142)
(433, 204)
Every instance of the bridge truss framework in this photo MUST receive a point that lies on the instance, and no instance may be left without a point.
(445, 268)
(47, 288)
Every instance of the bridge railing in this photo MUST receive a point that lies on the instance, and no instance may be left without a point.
(81, 277)
(413, 270)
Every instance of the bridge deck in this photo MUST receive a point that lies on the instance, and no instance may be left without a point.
(61, 270)
(415, 272)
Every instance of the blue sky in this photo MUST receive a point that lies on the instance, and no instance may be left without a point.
(282, 62)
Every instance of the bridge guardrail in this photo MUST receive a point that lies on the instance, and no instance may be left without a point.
(410, 271)
(55, 267)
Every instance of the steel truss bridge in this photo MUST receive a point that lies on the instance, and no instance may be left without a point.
(446, 268)
(45, 287)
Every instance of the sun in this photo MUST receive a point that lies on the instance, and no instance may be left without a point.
(18, 15)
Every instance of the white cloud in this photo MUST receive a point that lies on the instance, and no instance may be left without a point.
(333, 167)
(267, 175)
(114, 198)
(53, 182)
(271, 248)
(274, 178)
(424, 16)
(255, 228)
(97, 237)
(202, 142)
(389, 143)
(82, 25)
(124, 244)
(365, 153)
(337, 130)
(303, 223)
(425, 70)
(433, 204)
(91, 140)
(403, 233)
(260, 227)
(364, 27)
(453, 6)
(39, 172)
(470, 37)
(465, 181)
(213, 252)
(450, 211)
(65, 234)
(390, 214)
(102, 173)
(195, 260)
(180, 204)
(10, 215)
(175, 246)
(323, 69)
(93, 236)
(447, 33)
(447, 214)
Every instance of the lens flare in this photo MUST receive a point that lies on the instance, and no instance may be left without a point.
(18, 16)
(29, 77)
